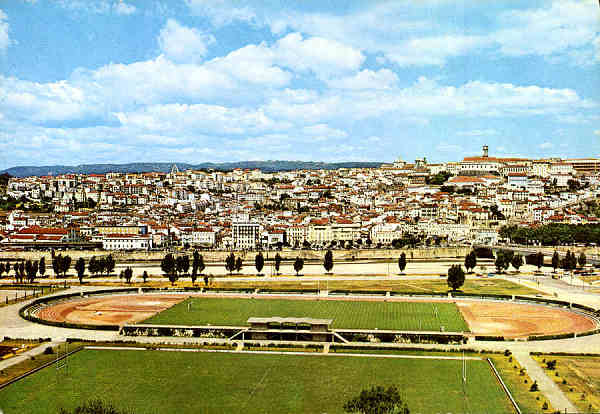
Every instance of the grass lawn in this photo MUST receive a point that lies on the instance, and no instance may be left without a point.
(345, 314)
(510, 371)
(182, 382)
(582, 377)
(478, 286)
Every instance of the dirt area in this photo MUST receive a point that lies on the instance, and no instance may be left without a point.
(578, 377)
(521, 320)
(484, 318)
(110, 310)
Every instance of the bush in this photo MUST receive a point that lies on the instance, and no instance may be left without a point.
(551, 365)
(95, 407)
(48, 350)
(507, 352)
(534, 387)
(545, 406)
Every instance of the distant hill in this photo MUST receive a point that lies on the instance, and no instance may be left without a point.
(265, 166)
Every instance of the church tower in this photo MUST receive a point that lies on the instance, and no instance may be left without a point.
(485, 151)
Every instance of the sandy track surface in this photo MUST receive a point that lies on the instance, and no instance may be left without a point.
(483, 317)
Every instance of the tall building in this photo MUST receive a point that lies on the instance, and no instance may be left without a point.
(245, 234)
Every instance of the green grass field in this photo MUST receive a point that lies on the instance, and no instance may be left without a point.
(152, 382)
(474, 286)
(410, 316)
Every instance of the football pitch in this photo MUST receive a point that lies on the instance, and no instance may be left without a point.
(408, 316)
(151, 382)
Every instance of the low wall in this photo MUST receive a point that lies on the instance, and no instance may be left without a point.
(219, 256)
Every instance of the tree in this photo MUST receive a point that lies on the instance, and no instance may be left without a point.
(402, 262)
(517, 261)
(500, 262)
(259, 262)
(110, 264)
(29, 270)
(582, 259)
(456, 277)
(238, 264)
(328, 261)
(168, 266)
(21, 271)
(182, 264)
(471, 260)
(377, 400)
(144, 276)
(65, 264)
(569, 262)
(42, 266)
(230, 263)
(539, 260)
(201, 265)
(93, 265)
(195, 266)
(277, 262)
(101, 265)
(56, 264)
(298, 265)
(128, 274)
(555, 260)
(80, 268)
(1, 268)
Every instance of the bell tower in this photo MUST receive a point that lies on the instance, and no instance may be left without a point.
(485, 151)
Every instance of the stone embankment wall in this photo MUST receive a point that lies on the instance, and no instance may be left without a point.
(219, 256)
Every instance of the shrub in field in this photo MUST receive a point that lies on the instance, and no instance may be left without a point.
(95, 407)
(377, 400)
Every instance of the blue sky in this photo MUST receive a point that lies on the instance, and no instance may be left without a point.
(94, 81)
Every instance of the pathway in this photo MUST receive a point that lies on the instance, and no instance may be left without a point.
(26, 355)
(546, 385)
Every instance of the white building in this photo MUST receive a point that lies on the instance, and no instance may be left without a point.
(126, 242)
(203, 236)
(245, 234)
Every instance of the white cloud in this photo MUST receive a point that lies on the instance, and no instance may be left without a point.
(183, 44)
(323, 56)
(546, 145)
(427, 98)
(561, 30)
(5, 41)
(323, 132)
(221, 12)
(566, 27)
(200, 118)
(366, 79)
(253, 64)
(434, 50)
(118, 7)
(597, 132)
(123, 8)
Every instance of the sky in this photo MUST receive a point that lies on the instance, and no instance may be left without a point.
(117, 81)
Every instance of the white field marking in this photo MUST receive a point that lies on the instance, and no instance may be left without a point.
(232, 351)
(256, 386)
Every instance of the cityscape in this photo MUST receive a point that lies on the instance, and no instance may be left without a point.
(462, 202)
(382, 207)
